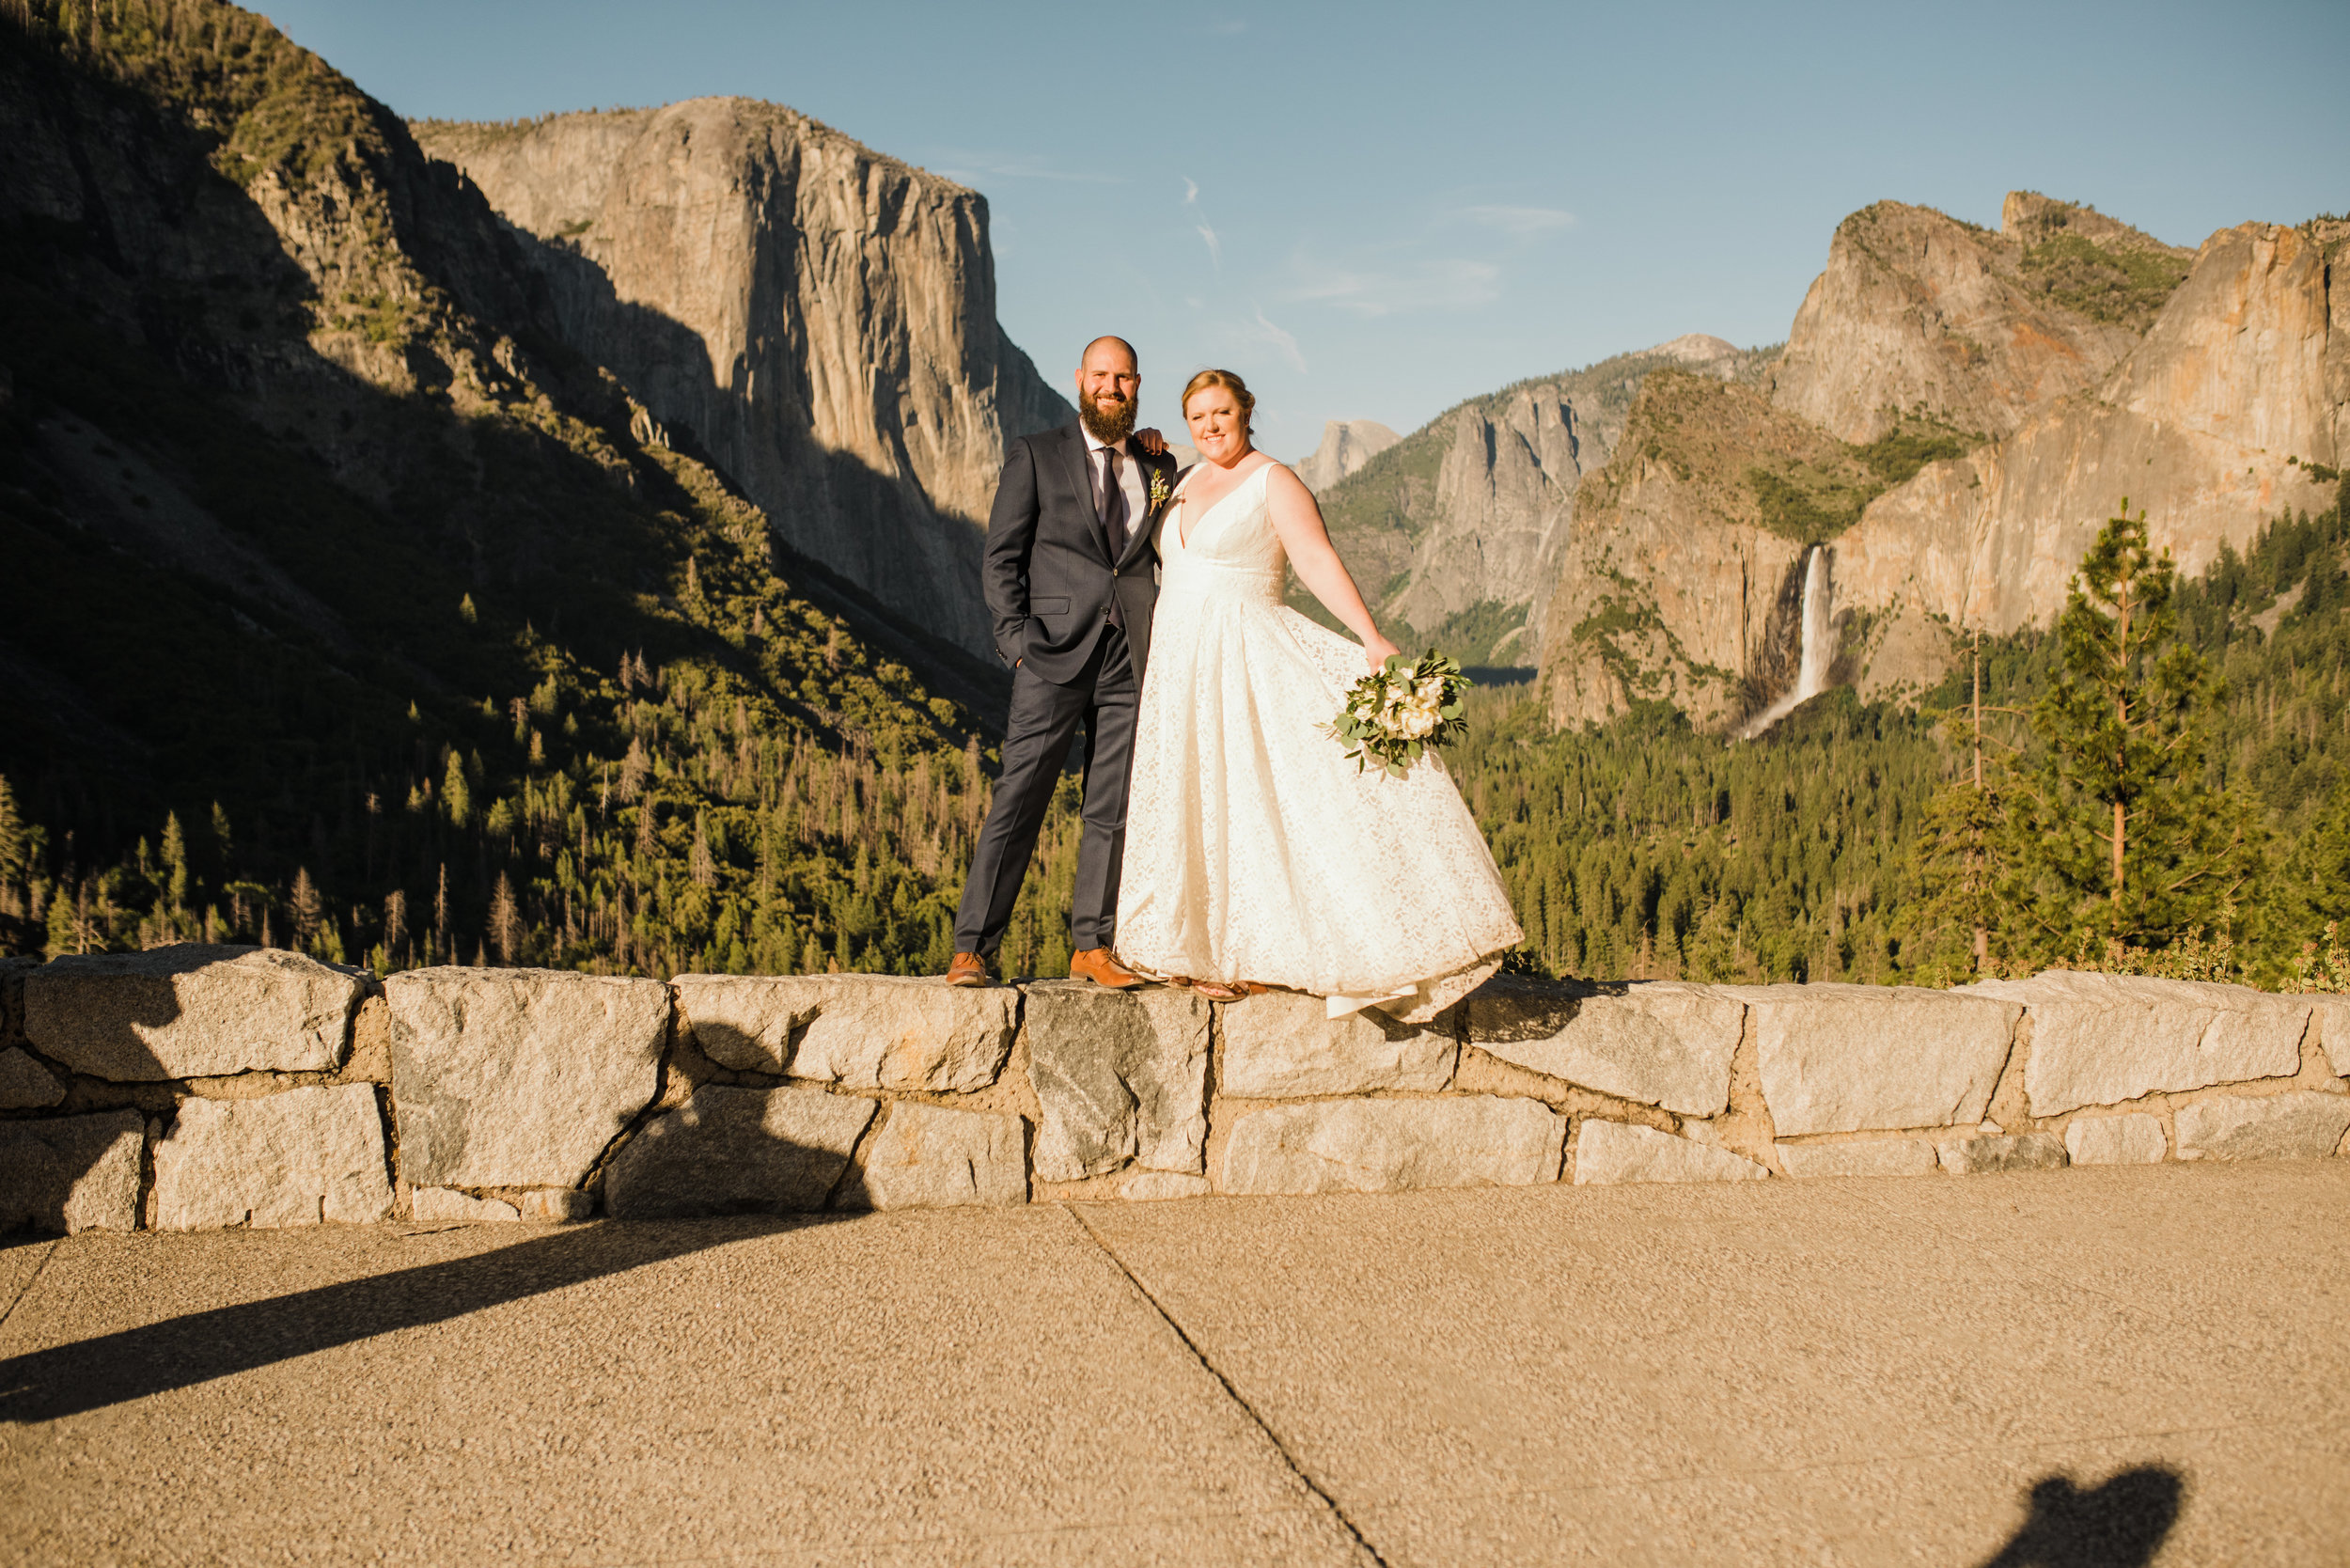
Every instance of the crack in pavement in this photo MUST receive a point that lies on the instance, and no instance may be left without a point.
(1295, 1467)
(30, 1281)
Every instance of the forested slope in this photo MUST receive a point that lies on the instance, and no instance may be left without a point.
(1644, 847)
(344, 606)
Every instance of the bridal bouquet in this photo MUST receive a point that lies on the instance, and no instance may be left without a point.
(1400, 709)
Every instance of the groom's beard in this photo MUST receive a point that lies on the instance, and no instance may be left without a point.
(1108, 425)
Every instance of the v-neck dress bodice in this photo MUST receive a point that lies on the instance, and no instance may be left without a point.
(1228, 548)
(1254, 849)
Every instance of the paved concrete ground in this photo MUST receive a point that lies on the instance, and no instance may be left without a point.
(2096, 1366)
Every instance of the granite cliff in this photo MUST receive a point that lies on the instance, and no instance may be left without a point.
(1346, 446)
(1955, 414)
(1454, 532)
(345, 603)
(817, 319)
(1918, 311)
(1682, 579)
(2223, 417)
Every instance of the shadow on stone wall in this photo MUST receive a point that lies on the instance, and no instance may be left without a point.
(59, 1173)
(177, 1352)
(2121, 1524)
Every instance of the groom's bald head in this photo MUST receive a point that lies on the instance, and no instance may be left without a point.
(1106, 345)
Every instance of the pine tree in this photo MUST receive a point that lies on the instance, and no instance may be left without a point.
(1964, 852)
(12, 839)
(72, 928)
(307, 908)
(2120, 836)
(456, 794)
(2313, 889)
(175, 863)
(703, 869)
(504, 920)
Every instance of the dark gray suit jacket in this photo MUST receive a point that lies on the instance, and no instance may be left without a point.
(1049, 574)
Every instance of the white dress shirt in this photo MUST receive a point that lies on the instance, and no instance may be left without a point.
(1129, 480)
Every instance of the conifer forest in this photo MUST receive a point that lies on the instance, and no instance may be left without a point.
(670, 814)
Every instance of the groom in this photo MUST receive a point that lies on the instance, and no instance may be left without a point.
(1069, 579)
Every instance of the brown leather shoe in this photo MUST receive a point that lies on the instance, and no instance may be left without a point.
(968, 969)
(1100, 966)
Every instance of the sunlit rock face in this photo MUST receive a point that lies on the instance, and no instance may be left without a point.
(817, 319)
(2209, 426)
(1918, 311)
(2059, 365)
(1346, 446)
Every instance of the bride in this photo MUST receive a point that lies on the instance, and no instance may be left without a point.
(1256, 853)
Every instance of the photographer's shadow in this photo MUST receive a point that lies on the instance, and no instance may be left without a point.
(2120, 1524)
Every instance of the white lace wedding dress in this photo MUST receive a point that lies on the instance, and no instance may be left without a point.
(1255, 851)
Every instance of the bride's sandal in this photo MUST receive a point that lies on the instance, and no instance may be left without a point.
(1226, 991)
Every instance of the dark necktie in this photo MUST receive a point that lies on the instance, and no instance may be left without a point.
(1110, 502)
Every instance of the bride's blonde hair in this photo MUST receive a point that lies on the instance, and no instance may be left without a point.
(1230, 381)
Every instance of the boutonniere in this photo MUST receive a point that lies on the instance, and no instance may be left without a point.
(1159, 492)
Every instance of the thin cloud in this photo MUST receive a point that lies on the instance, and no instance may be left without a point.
(1452, 283)
(969, 165)
(1280, 343)
(1203, 228)
(1522, 223)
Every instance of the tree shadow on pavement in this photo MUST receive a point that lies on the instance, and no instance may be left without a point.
(112, 1369)
(2121, 1524)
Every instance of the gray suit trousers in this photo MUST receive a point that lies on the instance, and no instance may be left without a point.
(1045, 718)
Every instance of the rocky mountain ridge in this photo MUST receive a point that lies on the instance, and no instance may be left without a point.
(1918, 311)
(2224, 416)
(1985, 401)
(1454, 532)
(820, 317)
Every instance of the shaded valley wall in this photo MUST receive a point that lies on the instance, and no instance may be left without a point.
(822, 318)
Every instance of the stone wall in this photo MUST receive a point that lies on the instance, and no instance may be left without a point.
(193, 1087)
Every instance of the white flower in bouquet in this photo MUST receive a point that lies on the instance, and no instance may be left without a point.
(1393, 715)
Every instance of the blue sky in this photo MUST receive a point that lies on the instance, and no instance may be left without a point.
(1374, 211)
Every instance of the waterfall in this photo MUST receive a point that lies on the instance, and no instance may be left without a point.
(1816, 649)
(1818, 636)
